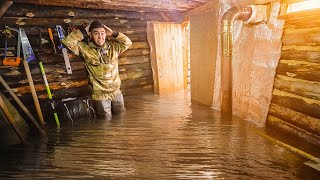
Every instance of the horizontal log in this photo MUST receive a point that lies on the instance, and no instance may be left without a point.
(135, 52)
(308, 56)
(137, 91)
(299, 69)
(309, 89)
(301, 37)
(50, 22)
(300, 120)
(23, 10)
(32, 31)
(305, 20)
(53, 86)
(128, 84)
(301, 48)
(140, 45)
(307, 106)
(134, 67)
(292, 134)
(134, 60)
(135, 74)
(138, 6)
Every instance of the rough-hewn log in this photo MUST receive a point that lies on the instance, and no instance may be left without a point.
(309, 89)
(307, 20)
(53, 86)
(302, 37)
(139, 6)
(139, 45)
(307, 106)
(50, 22)
(4, 6)
(138, 90)
(136, 82)
(134, 67)
(23, 10)
(299, 69)
(134, 60)
(298, 119)
(135, 52)
(135, 74)
(292, 132)
(308, 56)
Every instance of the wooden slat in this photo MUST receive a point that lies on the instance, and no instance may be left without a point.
(299, 69)
(300, 104)
(309, 89)
(296, 118)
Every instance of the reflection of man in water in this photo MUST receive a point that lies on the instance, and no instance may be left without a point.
(100, 57)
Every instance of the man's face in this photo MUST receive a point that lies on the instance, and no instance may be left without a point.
(99, 36)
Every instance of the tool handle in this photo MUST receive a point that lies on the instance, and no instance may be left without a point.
(50, 33)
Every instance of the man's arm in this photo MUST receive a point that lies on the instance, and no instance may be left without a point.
(72, 41)
(123, 42)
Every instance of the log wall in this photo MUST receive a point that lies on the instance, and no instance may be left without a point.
(295, 105)
(134, 65)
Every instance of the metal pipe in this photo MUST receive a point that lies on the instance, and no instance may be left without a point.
(234, 13)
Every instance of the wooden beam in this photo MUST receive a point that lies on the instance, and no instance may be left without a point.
(127, 5)
(4, 6)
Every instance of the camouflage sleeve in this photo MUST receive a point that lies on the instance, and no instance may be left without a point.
(73, 42)
(122, 42)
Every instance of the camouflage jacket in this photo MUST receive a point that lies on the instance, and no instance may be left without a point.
(101, 63)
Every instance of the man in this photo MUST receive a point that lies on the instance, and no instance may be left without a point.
(100, 57)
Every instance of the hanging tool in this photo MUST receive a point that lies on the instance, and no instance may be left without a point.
(28, 55)
(52, 40)
(11, 61)
(46, 81)
(64, 50)
(11, 120)
(22, 106)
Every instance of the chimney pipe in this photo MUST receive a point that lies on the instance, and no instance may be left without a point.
(234, 13)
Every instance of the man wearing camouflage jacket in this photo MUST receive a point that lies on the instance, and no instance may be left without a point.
(100, 57)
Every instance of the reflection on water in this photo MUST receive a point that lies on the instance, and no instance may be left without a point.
(163, 137)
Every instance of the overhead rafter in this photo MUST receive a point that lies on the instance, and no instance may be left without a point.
(127, 5)
(4, 6)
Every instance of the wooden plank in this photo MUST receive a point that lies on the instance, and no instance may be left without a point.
(301, 37)
(153, 55)
(4, 6)
(298, 119)
(203, 33)
(307, 106)
(134, 60)
(309, 89)
(168, 40)
(299, 69)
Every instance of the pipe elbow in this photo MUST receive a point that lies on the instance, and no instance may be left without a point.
(237, 13)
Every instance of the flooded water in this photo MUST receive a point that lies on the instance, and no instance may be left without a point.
(163, 137)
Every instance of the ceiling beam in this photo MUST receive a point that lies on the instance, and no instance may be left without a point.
(4, 6)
